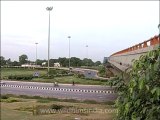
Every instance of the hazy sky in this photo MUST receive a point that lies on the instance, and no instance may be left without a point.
(105, 26)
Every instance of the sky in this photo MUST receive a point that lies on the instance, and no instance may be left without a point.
(105, 26)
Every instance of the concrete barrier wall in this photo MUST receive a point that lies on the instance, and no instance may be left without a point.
(123, 59)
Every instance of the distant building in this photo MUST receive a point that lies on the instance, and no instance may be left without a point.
(57, 65)
(105, 60)
(44, 63)
(30, 65)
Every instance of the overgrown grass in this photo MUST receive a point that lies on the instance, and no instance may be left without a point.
(49, 99)
(5, 72)
(70, 79)
(27, 109)
(9, 99)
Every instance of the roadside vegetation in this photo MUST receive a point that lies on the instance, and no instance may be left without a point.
(75, 62)
(56, 75)
(139, 95)
(28, 108)
(102, 71)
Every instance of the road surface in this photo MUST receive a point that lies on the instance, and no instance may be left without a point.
(79, 92)
(89, 73)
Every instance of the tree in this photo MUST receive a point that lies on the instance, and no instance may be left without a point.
(52, 61)
(87, 62)
(139, 98)
(8, 62)
(23, 59)
(97, 63)
(39, 62)
(2, 61)
(75, 62)
(63, 61)
(15, 63)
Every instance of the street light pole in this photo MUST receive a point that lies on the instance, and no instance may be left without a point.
(69, 52)
(87, 54)
(49, 9)
(159, 34)
(36, 53)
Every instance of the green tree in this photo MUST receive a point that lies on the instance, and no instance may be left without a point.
(23, 59)
(52, 61)
(87, 62)
(97, 63)
(39, 62)
(63, 61)
(15, 63)
(75, 62)
(2, 60)
(8, 62)
(139, 98)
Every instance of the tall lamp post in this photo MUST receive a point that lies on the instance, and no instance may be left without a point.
(36, 53)
(49, 9)
(87, 54)
(69, 37)
(159, 34)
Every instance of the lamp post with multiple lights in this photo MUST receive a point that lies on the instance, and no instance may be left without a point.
(69, 37)
(49, 9)
(36, 53)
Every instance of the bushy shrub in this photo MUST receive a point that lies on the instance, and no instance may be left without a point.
(20, 77)
(139, 98)
(56, 107)
(4, 97)
(80, 75)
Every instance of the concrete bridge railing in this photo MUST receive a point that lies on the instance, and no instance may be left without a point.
(123, 59)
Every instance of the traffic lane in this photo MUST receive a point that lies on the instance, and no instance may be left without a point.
(87, 73)
(38, 84)
(59, 94)
(90, 74)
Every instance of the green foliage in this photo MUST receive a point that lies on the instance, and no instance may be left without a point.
(139, 99)
(87, 62)
(4, 97)
(79, 75)
(23, 59)
(102, 71)
(56, 107)
(8, 99)
(97, 63)
(20, 77)
(58, 71)
(2, 61)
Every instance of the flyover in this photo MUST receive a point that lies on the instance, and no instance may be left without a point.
(123, 59)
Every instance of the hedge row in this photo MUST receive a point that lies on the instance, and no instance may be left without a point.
(20, 77)
(57, 75)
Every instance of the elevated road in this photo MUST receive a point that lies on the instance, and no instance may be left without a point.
(123, 59)
(79, 92)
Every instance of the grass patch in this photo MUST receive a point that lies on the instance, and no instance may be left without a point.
(27, 109)
(9, 99)
(43, 100)
(49, 99)
(26, 73)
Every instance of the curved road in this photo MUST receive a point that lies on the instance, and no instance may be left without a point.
(64, 91)
(89, 73)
